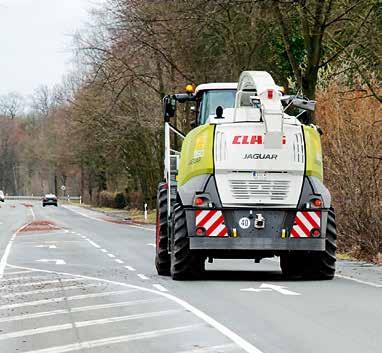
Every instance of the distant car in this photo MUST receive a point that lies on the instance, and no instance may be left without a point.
(2, 197)
(49, 199)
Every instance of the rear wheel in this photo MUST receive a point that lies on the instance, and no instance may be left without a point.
(314, 265)
(162, 258)
(185, 264)
(322, 265)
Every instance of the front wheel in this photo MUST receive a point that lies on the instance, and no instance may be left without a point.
(185, 264)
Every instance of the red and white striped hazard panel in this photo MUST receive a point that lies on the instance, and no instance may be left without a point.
(212, 221)
(304, 222)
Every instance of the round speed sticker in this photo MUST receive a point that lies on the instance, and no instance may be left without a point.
(244, 223)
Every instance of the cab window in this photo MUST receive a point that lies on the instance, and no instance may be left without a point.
(212, 99)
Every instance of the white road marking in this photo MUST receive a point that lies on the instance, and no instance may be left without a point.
(114, 340)
(213, 349)
(33, 214)
(46, 246)
(103, 250)
(82, 236)
(16, 273)
(102, 220)
(48, 290)
(57, 261)
(270, 287)
(142, 276)
(119, 261)
(152, 244)
(42, 283)
(94, 244)
(22, 278)
(126, 318)
(62, 299)
(4, 258)
(360, 281)
(130, 268)
(111, 255)
(160, 288)
(78, 309)
(46, 329)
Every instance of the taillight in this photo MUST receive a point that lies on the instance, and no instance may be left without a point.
(315, 233)
(202, 201)
(200, 231)
(316, 203)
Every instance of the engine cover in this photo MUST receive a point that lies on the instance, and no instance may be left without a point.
(248, 173)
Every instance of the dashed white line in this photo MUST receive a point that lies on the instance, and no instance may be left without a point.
(111, 255)
(119, 261)
(151, 244)
(94, 244)
(130, 268)
(160, 287)
(142, 276)
(103, 250)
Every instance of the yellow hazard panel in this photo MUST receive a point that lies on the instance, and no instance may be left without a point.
(313, 153)
(196, 156)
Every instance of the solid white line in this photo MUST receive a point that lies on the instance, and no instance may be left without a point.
(126, 318)
(22, 278)
(160, 288)
(102, 220)
(111, 255)
(240, 341)
(4, 258)
(33, 214)
(360, 281)
(46, 329)
(142, 276)
(114, 340)
(16, 273)
(62, 299)
(130, 268)
(78, 309)
(48, 290)
(42, 283)
(93, 243)
(119, 261)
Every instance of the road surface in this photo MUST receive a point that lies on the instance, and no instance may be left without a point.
(73, 280)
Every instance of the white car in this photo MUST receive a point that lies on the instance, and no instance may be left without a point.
(2, 197)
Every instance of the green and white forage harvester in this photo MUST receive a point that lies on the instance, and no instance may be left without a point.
(247, 183)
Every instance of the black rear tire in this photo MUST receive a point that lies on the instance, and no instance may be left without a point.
(322, 265)
(314, 265)
(185, 264)
(162, 258)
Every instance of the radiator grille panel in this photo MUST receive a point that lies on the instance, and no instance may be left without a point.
(260, 190)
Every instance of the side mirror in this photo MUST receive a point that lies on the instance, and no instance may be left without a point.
(219, 112)
(169, 107)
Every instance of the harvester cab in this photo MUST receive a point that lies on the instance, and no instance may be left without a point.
(247, 183)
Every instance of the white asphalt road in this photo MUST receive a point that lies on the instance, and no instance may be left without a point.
(72, 281)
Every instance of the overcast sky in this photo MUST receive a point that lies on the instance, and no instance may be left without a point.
(35, 41)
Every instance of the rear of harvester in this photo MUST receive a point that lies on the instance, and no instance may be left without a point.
(247, 183)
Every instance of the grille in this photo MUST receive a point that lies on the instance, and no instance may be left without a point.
(260, 190)
(298, 148)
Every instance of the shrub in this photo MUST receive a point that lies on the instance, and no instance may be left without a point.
(120, 200)
(352, 144)
(106, 199)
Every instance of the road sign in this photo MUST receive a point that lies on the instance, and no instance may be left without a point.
(269, 288)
